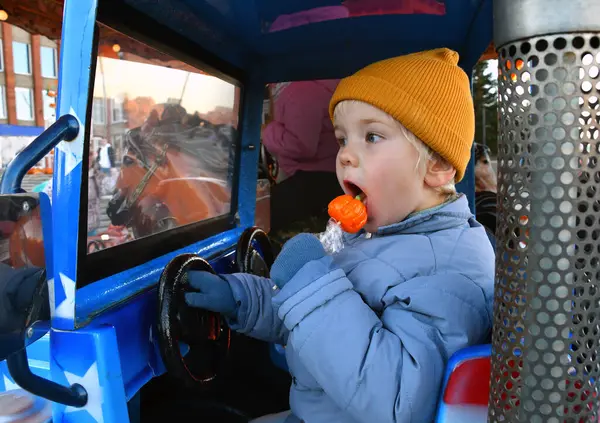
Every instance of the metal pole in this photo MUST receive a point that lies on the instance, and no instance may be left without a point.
(545, 346)
(484, 140)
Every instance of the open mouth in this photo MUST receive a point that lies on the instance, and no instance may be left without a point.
(354, 190)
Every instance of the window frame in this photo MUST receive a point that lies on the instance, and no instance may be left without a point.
(1, 55)
(28, 45)
(31, 100)
(3, 108)
(109, 262)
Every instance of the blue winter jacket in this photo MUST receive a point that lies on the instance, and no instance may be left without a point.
(369, 330)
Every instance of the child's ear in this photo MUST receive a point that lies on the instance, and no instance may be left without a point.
(439, 173)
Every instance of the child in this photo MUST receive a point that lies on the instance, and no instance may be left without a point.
(369, 330)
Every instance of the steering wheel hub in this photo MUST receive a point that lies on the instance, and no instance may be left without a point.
(203, 335)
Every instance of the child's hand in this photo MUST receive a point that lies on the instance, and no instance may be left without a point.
(295, 254)
(214, 293)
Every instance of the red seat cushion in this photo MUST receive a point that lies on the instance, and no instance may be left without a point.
(469, 383)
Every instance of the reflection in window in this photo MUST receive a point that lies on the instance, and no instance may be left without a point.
(170, 130)
(22, 58)
(99, 111)
(117, 143)
(117, 110)
(2, 102)
(48, 62)
(24, 100)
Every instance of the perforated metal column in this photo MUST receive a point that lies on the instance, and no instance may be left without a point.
(545, 348)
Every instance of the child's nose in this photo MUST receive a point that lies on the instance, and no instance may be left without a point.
(348, 157)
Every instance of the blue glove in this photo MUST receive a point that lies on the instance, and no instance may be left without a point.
(214, 293)
(295, 254)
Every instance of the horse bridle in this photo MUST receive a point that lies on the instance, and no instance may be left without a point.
(135, 195)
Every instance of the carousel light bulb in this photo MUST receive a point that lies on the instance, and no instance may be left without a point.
(3, 15)
(116, 48)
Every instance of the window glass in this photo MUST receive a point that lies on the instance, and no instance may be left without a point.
(162, 149)
(24, 100)
(22, 58)
(117, 110)
(49, 99)
(99, 111)
(48, 62)
(1, 55)
(2, 102)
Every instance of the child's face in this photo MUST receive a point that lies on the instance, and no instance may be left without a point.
(376, 158)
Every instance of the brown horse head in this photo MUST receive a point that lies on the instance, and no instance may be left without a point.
(175, 171)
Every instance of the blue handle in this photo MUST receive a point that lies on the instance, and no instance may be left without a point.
(65, 128)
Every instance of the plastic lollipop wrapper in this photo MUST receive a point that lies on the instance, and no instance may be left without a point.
(348, 214)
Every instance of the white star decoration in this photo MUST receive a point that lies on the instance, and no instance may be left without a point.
(9, 385)
(66, 309)
(91, 383)
(73, 149)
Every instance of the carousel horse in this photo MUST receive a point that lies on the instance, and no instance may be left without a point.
(176, 170)
(21, 236)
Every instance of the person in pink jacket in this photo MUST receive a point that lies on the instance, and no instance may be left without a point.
(302, 139)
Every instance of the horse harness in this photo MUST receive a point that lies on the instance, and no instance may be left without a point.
(159, 161)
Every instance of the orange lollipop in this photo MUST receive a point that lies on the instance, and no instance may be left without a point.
(349, 212)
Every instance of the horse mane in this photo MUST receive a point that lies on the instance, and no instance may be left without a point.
(210, 144)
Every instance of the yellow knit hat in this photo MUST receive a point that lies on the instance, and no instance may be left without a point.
(427, 93)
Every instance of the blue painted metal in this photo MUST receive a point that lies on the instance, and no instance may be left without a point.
(467, 185)
(18, 366)
(237, 32)
(479, 36)
(65, 128)
(131, 326)
(197, 21)
(46, 216)
(134, 326)
(456, 359)
(95, 298)
(76, 60)
(476, 42)
(252, 102)
(90, 357)
(20, 131)
(114, 356)
(39, 363)
(39, 360)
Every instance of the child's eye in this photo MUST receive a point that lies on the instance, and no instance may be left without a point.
(373, 138)
(342, 142)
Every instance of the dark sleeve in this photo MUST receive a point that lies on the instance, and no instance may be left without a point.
(486, 209)
(111, 155)
(17, 288)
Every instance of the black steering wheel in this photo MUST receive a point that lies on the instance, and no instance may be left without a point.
(254, 253)
(204, 332)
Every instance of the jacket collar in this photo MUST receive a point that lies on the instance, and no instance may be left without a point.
(454, 213)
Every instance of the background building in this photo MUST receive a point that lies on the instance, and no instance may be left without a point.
(28, 83)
